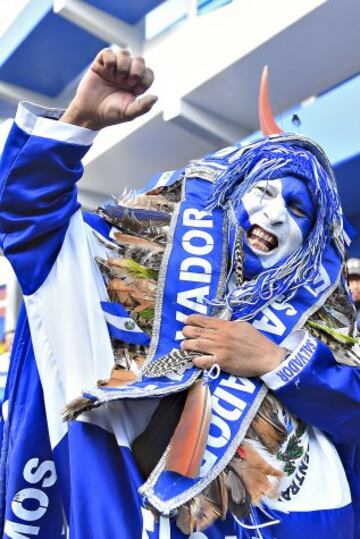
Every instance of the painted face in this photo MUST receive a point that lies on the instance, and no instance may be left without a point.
(276, 216)
(354, 283)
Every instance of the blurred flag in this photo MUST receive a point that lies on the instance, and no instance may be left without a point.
(2, 310)
(4, 362)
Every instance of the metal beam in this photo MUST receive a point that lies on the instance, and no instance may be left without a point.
(14, 94)
(101, 24)
(91, 200)
(202, 123)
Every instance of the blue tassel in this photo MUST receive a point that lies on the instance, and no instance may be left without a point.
(269, 159)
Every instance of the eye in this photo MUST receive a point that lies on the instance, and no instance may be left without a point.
(297, 210)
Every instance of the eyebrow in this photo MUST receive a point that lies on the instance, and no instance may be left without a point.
(265, 184)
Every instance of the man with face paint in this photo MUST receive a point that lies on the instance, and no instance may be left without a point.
(276, 216)
(52, 249)
(353, 269)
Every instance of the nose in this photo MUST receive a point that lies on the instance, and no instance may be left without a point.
(275, 212)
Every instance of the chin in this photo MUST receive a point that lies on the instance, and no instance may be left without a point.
(252, 262)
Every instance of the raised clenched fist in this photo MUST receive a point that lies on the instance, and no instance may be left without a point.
(109, 92)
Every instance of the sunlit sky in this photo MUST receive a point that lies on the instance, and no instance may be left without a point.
(9, 10)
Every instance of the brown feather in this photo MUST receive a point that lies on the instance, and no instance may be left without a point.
(184, 519)
(238, 497)
(152, 202)
(260, 478)
(118, 377)
(198, 514)
(135, 241)
(271, 437)
(217, 491)
(226, 491)
(146, 304)
(132, 292)
(244, 481)
(204, 512)
(267, 426)
(129, 223)
(77, 407)
(188, 443)
(235, 487)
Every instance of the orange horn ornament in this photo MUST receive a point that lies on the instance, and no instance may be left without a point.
(266, 118)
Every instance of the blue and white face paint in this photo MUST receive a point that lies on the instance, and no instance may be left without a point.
(276, 216)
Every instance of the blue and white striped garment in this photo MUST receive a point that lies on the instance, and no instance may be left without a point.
(80, 481)
(4, 368)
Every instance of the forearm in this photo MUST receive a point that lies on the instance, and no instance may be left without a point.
(40, 165)
(73, 115)
(318, 390)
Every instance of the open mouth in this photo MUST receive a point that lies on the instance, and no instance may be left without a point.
(261, 240)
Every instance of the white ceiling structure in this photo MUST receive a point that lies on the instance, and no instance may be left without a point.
(208, 73)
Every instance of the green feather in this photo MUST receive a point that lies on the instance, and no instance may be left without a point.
(138, 271)
(147, 314)
(345, 339)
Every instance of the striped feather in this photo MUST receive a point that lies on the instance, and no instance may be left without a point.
(135, 241)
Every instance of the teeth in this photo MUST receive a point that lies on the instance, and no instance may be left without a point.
(262, 240)
(260, 233)
(254, 242)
